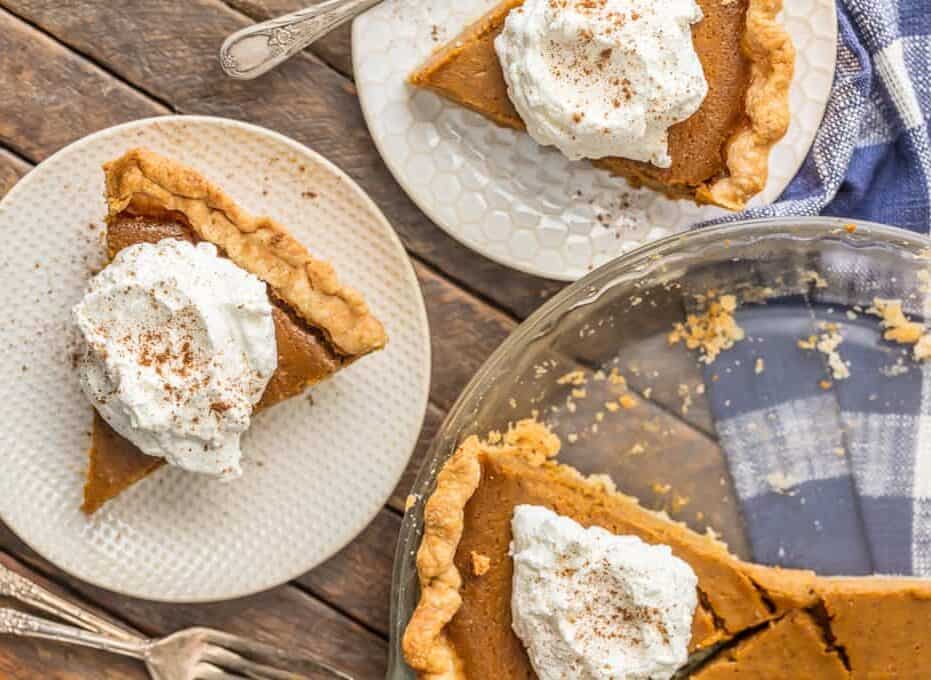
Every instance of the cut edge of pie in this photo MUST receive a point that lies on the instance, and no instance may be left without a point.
(766, 45)
(334, 318)
(836, 614)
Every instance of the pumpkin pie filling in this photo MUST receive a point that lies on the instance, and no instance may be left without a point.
(752, 621)
(304, 358)
(307, 353)
(792, 647)
(719, 154)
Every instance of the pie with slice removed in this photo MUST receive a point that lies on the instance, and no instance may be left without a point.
(320, 324)
(751, 622)
(720, 155)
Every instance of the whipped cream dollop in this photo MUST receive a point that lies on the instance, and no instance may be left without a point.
(178, 345)
(599, 78)
(591, 605)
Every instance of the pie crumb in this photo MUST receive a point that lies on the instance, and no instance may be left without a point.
(576, 378)
(828, 342)
(685, 393)
(410, 502)
(627, 401)
(636, 449)
(900, 329)
(711, 332)
(781, 483)
(759, 366)
(814, 278)
(480, 563)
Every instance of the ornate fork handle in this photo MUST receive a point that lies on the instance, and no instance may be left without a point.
(15, 622)
(257, 49)
(15, 586)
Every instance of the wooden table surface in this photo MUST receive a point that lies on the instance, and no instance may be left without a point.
(71, 67)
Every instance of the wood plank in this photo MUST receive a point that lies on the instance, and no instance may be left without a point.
(12, 169)
(465, 331)
(27, 659)
(431, 424)
(358, 578)
(304, 99)
(334, 48)
(59, 96)
(285, 616)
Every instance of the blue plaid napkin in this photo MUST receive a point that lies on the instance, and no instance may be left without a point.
(839, 479)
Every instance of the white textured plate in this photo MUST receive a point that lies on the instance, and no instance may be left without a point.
(522, 205)
(315, 472)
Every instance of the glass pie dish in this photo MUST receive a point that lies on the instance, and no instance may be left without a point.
(673, 446)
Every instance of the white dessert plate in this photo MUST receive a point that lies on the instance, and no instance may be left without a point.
(316, 469)
(523, 205)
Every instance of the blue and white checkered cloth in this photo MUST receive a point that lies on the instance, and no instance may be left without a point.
(806, 504)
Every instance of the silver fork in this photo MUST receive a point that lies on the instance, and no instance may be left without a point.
(256, 49)
(192, 654)
(22, 589)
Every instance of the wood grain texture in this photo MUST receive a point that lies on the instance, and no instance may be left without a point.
(464, 333)
(358, 578)
(304, 99)
(59, 97)
(334, 49)
(431, 424)
(12, 169)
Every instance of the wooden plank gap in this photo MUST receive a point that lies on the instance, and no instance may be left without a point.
(342, 611)
(469, 291)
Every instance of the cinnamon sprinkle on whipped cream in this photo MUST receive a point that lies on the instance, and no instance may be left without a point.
(592, 605)
(599, 78)
(177, 347)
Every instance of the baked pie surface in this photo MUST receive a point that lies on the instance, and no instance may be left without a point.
(461, 627)
(320, 324)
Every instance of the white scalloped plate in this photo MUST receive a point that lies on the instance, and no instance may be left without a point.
(513, 201)
(315, 472)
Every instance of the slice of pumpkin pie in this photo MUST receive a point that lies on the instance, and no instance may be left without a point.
(719, 154)
(319, 325)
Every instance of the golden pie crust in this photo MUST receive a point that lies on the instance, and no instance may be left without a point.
(320, 325)
(143, 182)
(720, 154)
(751, 619)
